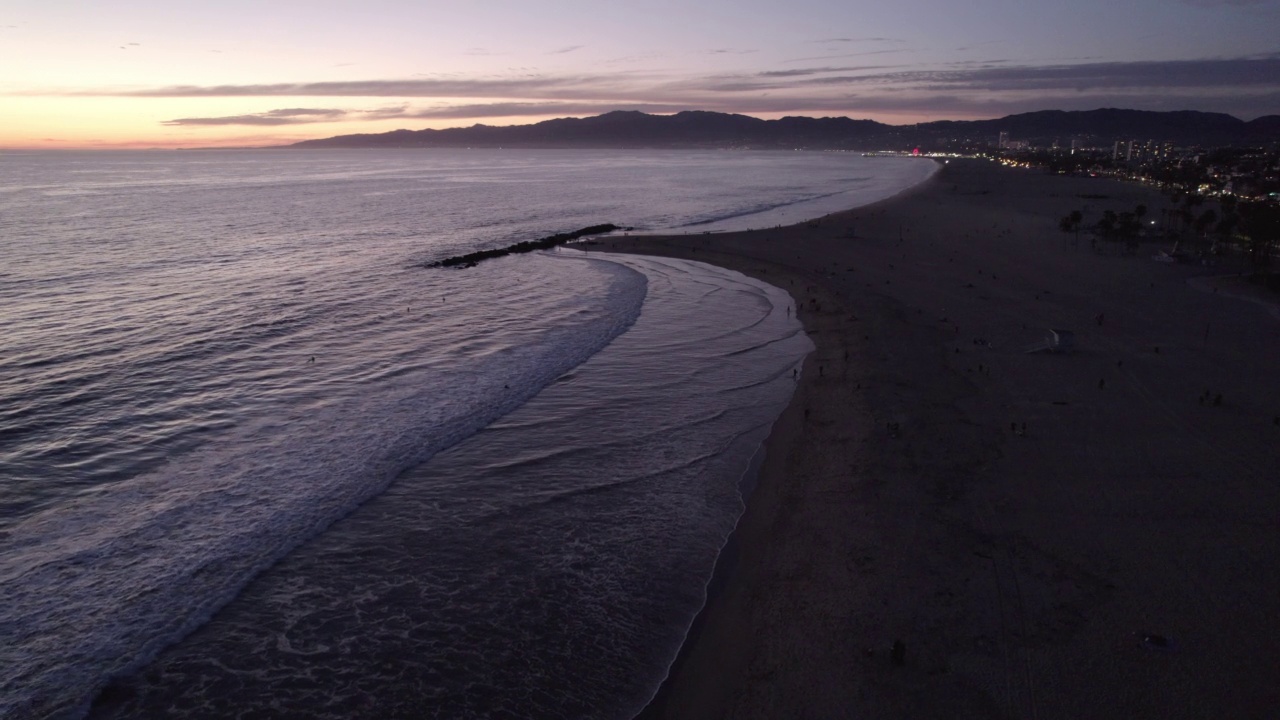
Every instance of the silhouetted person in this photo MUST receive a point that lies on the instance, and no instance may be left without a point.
(899, 653)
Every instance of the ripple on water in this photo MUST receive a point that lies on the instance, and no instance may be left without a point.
(549, 566)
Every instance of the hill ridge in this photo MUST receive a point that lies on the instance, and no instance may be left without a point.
(708, 129)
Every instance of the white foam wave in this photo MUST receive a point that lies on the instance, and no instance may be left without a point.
(97, 586)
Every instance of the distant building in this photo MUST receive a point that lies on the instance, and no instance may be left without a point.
(1004, 140)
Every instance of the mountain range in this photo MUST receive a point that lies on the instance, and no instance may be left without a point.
(702, 129)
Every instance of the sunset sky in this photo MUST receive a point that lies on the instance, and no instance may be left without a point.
(137, 73)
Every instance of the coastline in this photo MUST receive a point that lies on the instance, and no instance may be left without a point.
(1115, 557)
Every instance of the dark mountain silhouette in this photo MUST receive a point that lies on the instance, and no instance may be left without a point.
(700, 129)
(1184, 126)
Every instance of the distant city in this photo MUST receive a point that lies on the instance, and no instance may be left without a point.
(1206, 153)
(1220, 174)
(1249, 173)
(1220, 200)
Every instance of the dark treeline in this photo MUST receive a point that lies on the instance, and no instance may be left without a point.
(546, 243)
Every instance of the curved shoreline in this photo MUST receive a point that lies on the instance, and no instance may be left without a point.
(699, 227)
(1023, 573)
(728, 557)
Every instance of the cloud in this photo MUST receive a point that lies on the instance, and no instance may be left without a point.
(1238, 73)
(1229, 3)
(978, 45)
(234, 120)
(860, 39)
(427, 87)
(566, 50)
(302, 116)
(978, 63)
(802, 72)
(846, 55)
(1241, 86)
(284, 116)
(1256, 72)
(519, 109)
(299, 112)
(386, 112)
(962, 106)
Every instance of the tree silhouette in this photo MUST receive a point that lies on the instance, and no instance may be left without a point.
(1107, 225)
(1071, 223)
(1207, 218)
(1262, 224)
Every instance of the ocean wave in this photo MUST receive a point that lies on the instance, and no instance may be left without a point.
(98, 585)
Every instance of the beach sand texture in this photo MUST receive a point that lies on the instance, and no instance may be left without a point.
(1118, 558)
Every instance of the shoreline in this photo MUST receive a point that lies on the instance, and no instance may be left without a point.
(1048, 572)
(779, 435)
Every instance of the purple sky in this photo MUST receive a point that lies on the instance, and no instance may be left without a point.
(136, 72)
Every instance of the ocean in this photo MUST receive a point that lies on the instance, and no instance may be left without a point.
(256, 460)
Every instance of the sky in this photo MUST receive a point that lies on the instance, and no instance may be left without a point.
(140, 73)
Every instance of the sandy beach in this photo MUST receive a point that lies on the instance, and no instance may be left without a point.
(1042, 535)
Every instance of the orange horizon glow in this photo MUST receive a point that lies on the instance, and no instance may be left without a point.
(113, 123)
(167, 75)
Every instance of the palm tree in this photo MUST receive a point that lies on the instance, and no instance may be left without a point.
(1262, 223)
(1071, 223)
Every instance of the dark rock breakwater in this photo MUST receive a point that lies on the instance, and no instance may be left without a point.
(546, 243)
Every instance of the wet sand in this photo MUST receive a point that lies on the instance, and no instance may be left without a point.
(1120, 557)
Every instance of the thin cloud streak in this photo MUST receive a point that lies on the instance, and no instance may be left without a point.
(1230, 3)
(1262, 72)
(846, 55)
(1246, 86)
(372, 88)
(505, 110)
(283, 116)
(951, 105)
(862, 39)
(444, 112)
(803, 72)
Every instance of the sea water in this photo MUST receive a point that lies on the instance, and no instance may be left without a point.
(256, 459)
